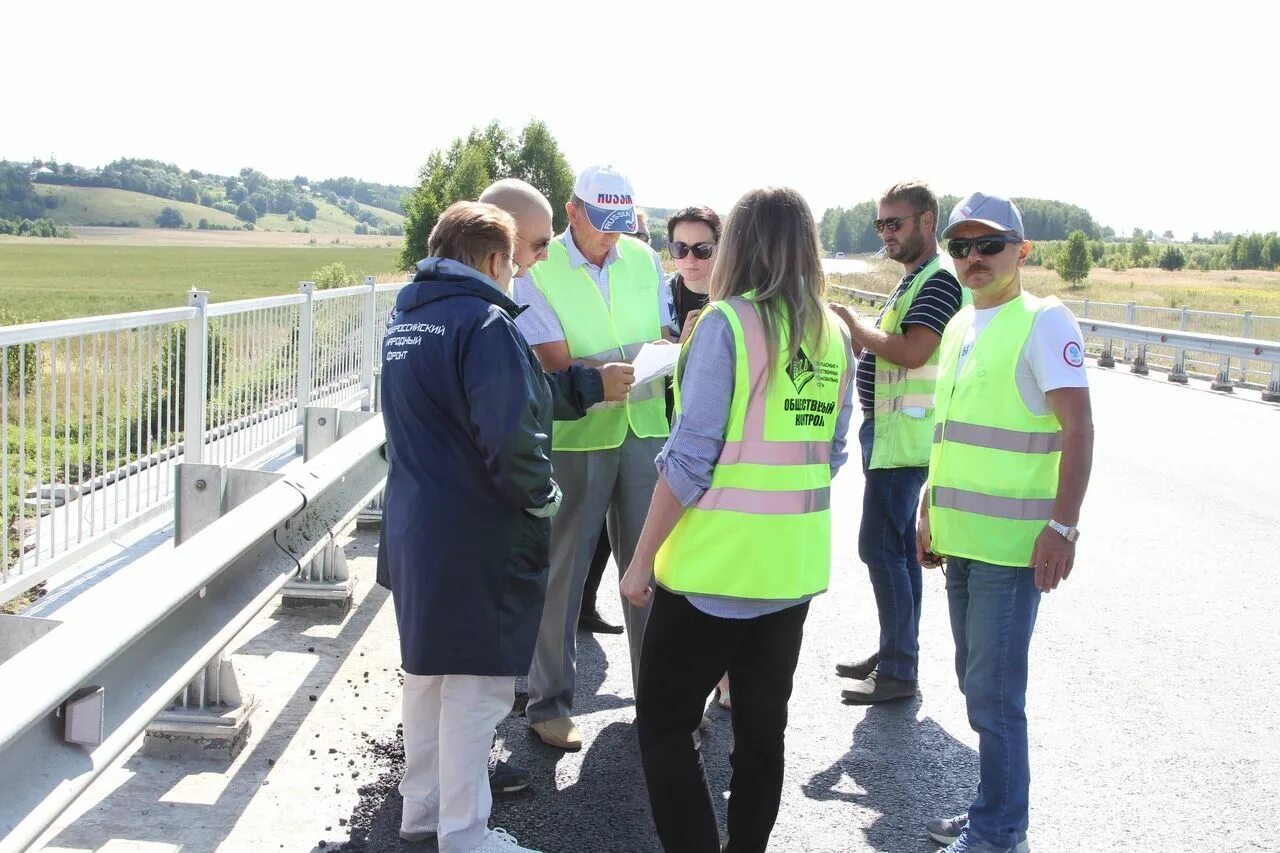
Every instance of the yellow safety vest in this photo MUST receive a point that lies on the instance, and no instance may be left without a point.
(762, 531)
(613, 332)
(993, 472)
(904, 395)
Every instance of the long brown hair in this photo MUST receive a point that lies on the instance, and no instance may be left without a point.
(770, 246)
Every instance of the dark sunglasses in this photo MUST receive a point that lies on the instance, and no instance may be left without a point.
(538, 247)
(893, 223)
(994, 245)
(701, 251)
(642, 236)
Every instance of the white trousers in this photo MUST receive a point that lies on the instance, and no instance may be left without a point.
(448, 732)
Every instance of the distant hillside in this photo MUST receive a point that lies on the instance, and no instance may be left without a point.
(135, 193)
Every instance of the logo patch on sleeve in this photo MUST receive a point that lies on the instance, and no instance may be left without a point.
(1073, 354)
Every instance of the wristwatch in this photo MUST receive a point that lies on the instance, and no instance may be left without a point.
(1071, 534)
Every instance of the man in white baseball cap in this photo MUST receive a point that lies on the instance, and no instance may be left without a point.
(596, 298)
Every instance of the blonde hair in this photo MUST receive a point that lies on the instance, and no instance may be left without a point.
(770, 248)
(469, 232)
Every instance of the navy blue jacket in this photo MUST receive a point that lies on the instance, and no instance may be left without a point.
(468, 413)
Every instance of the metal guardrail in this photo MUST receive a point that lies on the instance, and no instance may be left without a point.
(95, 411)
(1228, 361)
(77, 693)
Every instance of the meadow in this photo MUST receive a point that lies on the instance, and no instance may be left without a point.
(55, 279)
(1232, 291)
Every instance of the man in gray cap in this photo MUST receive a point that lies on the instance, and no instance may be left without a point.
(1012, 450)
(597, 297)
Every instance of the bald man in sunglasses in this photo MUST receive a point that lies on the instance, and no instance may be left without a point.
(895, 379)
(1010, 462)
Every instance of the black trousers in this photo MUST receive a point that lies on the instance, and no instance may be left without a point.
(685, 653)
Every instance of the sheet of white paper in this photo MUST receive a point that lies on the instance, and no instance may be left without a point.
(655, 361)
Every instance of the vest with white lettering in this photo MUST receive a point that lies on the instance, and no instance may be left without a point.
(762, 531)
(993, 472)
(904, 395)
(605, 333)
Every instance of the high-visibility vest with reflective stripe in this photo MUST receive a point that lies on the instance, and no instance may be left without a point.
(904, 395)
(993, 473)
(762, 531)
(613, 332)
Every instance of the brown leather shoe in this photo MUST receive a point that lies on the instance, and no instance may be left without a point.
(560, 733)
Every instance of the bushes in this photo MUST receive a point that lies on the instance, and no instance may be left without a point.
(34, 228)
(333, 275)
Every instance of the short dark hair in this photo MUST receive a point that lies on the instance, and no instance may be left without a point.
(702, 214)
(915, 193)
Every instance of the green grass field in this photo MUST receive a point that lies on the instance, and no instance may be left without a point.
(63, 279)
(98, 206)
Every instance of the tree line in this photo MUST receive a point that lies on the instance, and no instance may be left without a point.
(850, 230)
(248, 195)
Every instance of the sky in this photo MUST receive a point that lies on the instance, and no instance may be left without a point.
(1146, 114)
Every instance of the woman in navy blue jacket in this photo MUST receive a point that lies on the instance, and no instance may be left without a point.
(468, 500)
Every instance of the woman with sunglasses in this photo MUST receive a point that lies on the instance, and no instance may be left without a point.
(738, 535)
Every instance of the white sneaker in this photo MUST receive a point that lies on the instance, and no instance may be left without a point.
(417, 821)
(501, 841)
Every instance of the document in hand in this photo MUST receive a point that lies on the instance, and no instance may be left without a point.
(655, 361)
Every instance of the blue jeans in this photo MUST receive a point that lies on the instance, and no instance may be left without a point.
(993, 612)
(887, 544)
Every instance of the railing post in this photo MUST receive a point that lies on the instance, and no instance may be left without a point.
(196, 369)
(306, 328)
(1272, 394)
(1178, 373)
(1139, 365)
(370, 356)
(1130, 317)
(1222, 382)
(1246, 331)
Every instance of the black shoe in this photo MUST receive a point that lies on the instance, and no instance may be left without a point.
(594, 623)
(878, 688)
(505, 778)
(860, 669)
(521, 702)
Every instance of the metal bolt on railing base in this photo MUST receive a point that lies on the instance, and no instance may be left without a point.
(324, 582)
(1106, 359)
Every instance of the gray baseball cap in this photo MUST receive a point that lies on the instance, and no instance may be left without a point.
(992, 210)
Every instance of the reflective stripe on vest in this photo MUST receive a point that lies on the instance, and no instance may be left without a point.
(904, 396)
(614, 332)
(993, 471)
(762, 531)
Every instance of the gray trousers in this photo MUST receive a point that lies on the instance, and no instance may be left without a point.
(611, 486)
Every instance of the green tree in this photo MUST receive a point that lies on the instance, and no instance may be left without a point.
(1171, 259)
(1075, 261)
(307, 210)
(1139, 250)
(246, 212)
(260, 203)
(170, 217)
(844, 238)
(539, 161)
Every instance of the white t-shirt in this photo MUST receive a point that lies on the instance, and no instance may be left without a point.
(1053, 357)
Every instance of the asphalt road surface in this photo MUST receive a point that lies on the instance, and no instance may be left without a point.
(1152, 705)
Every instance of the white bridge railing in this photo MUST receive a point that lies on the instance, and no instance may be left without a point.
(98, 411)
(1180, 342)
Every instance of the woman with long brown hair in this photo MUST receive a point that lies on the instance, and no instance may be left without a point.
(738, 536)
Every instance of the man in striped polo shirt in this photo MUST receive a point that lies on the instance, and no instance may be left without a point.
(895, 377)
